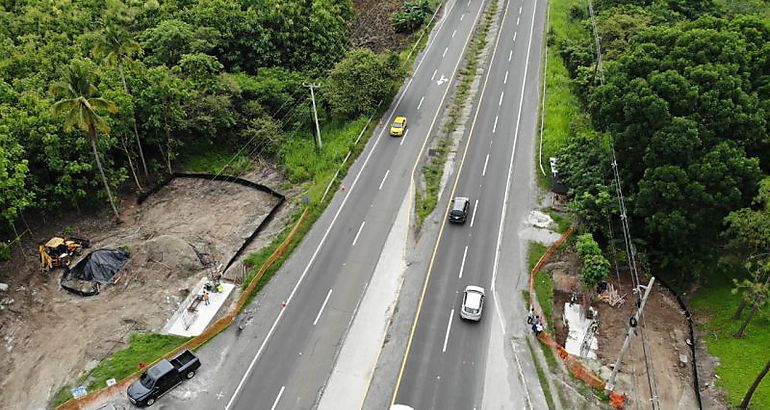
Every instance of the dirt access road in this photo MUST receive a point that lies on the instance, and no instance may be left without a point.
(51, 336)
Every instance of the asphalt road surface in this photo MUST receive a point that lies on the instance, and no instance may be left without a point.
(284, 358)
(445, 363)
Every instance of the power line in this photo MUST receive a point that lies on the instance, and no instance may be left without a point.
(639, 317)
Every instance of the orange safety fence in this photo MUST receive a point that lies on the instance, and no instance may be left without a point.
(197, 341)
(571, 362)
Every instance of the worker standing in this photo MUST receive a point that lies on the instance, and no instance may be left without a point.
(205, 297)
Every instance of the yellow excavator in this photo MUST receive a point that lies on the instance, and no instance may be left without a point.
(58, 252)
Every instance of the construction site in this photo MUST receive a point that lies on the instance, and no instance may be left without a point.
(56, 325)
(656, 370)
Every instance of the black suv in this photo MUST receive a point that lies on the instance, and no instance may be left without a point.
(459, 210)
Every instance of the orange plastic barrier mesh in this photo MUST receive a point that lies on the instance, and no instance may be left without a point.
(572, 363)
(199, 340)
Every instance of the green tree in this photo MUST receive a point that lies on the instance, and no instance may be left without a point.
(594, 266)
(171, 39)
(78, 102)
(161, 105)
(266, 135)
(748, 233)
(14, 172)
(755, 291)
(117, 47)
(360, 81)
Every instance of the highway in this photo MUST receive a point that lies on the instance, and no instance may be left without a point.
(444, 365)
(284, 358)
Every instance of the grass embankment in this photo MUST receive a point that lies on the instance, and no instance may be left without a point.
(214, 160)
(740, 360)
(543, 281)
(142, 348)
(563, 112)
(541, 376)
(426, 202)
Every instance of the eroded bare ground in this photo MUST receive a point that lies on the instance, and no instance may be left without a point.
(372, 26)
(50, 336)
(666, 334)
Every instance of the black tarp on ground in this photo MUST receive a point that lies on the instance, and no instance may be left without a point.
(98, 267)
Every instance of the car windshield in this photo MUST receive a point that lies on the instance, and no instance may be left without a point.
(146, 381)
(398, 124)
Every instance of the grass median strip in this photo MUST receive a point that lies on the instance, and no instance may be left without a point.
(425, 202)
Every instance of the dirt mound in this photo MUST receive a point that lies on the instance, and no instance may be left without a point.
(164, 256)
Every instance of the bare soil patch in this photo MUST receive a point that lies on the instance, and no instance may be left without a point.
(666, 334)
(50, 336)
(372, 27)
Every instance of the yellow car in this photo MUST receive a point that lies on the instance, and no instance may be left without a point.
(398, 127)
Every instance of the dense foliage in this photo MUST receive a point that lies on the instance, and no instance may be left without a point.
(686, 104)
(412, 15)
(181, 77)
(594, 266)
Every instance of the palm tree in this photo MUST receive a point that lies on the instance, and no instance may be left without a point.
(78, 101)
(116, 48)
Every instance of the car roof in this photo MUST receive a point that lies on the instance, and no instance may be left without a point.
(473, 299)
(459, 203)
(400, 119)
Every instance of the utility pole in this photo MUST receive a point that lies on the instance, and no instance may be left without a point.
(631, 328)
(319, 145)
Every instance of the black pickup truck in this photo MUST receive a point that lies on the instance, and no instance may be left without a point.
(162, 377)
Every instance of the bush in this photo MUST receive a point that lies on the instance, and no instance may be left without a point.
(411, 16)
(595, 267)
(5, 251)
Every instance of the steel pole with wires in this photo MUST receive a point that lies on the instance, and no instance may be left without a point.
(638, 318)
(319, 145)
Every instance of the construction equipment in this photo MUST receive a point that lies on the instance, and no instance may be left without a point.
(58, 252)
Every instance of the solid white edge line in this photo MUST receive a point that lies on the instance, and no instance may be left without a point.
(513, 153)
(475, 207)
(280, 393)
(484, 172)
(360, 228)
(421, 100)
(318, 316)
(328, 229)
(494, 127)
(383, 180)
(499, 314)
(448, 329)
(505, 81)
(462, 265)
